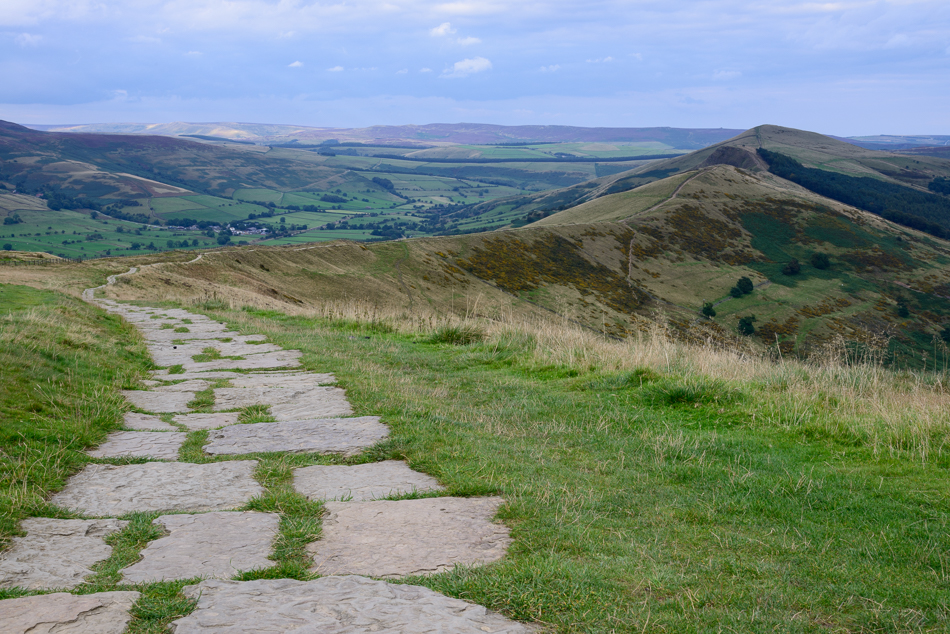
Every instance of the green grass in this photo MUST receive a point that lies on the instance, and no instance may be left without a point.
(648, 501)
(64, 363)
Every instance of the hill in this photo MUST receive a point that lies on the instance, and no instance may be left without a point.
(437, 133)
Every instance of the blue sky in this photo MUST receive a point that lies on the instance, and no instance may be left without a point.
(849, 68)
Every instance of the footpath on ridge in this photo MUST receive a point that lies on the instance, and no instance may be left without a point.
(207, 532)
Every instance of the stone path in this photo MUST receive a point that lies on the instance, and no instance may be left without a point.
(207, 535)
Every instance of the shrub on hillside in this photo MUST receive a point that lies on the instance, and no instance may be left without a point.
(820, 260)
(708, 309)
(792, 268)
(745, 325)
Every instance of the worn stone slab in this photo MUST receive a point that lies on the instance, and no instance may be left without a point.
(192, 385)
(163, 375)
(172, 354)
(108, 490)
(62, 613)
(347, 436)
(283, 380)
(362, 482)
(286, 403)
(195, 422)
(279, 359)
(334, 605)
(218, 545)
(410, 537)
(146, 422)
(140, 444)
(159, 402)
(55, 553)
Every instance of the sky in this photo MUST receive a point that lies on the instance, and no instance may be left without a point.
(845, 68)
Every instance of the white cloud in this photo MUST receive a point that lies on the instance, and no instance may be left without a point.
(442, 30)
(467, 67)
(336, 69)
(286, 34)
(601, 60)
(145, 39)
(425, 70)
(28, 39)
(402, 72)
(725, 75)
(296, 64)
(194, 53)
(553, 68)
(466, 41)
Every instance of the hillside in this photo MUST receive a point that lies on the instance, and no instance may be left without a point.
(431, 134)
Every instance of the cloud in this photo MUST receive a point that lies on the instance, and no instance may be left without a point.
(28, 39)
(194, 53)
(425, 70)
(296, 64)
(285, 35)
(725, 75)
(553, 68)
(466, 41)
(601, 60)
(467, 67)
(404, 71)
(442, 30)
(145, 39)
(335, 69)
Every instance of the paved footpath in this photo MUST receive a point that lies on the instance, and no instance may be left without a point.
(365, 539)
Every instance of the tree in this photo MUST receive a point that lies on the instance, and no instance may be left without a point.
(792, 268)
(224, 237)
(820, 260)
(944, 334)
(745, 325)
(8, 247)
(708, 310)
(745, 285)
(902, 309)
(735, 291)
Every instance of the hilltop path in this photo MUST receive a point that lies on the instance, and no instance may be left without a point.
(203, 504)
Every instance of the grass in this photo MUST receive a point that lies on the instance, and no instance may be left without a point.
(650, 485)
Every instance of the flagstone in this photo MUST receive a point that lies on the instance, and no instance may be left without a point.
(140, 444)
(358, 483)
(146, 422)
(159, 402)
(347, 436)
(62, 613)
(334, 605)
(389, 539)
(286, 403)
(217, 545)
(55, 553)
(196, 422)
(110, 490)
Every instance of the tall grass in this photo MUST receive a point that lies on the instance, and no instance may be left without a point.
(850, 398)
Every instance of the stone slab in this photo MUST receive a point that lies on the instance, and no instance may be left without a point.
(146, 422)
(279, 359)
(62, 613)
(163, 375)
(347, 436)
(218, 545)
(168, 353)
(334, 605)
(108, 490)
(286, 403)
(362, 482)
(159, 402)
(283, 380)
(389, 539)
(141, 444)
(55, 553)
(195, 422)
(191, 385)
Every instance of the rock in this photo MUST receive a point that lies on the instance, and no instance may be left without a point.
(141, 444)
(192, 385)
(279, 359)
(285, 380)
(206, 421)
(168, 353)
(347, 436)
(217, 545)
(362, 482)
(286, 403)
(61, 613)
(146, 422)
(187, 376)
(55, 553)
(334, 605)
(107, 490)
(159, 402)
(409, 537)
